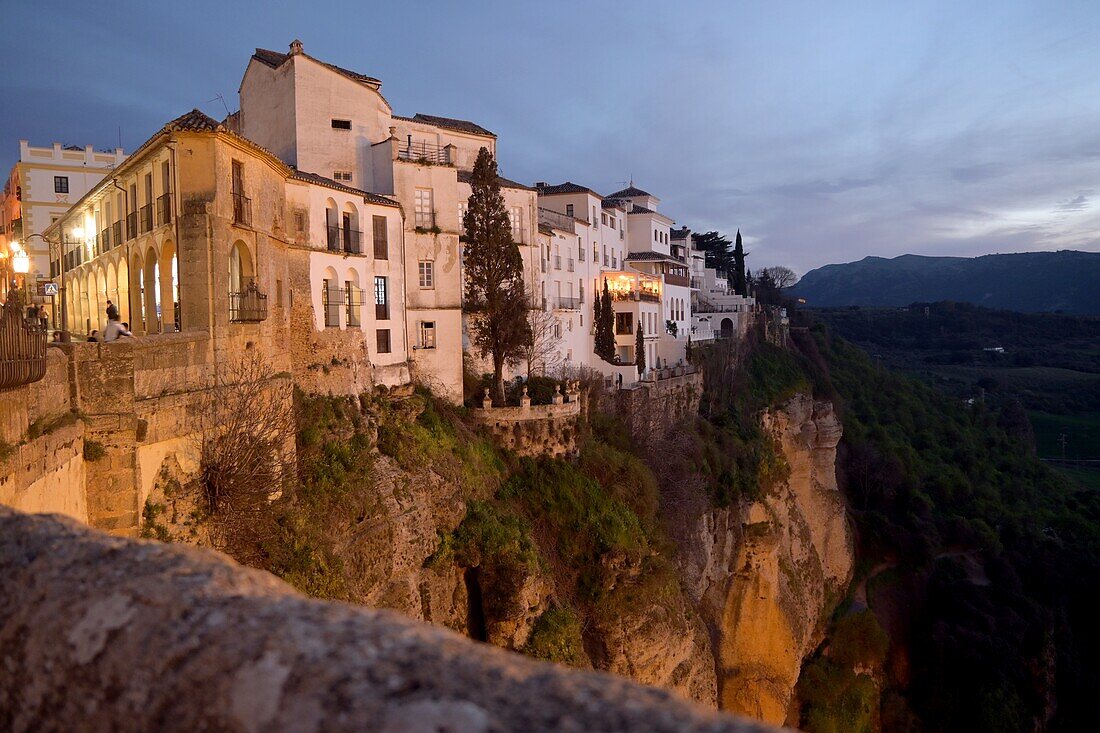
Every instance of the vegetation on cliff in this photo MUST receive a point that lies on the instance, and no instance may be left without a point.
(981, 559)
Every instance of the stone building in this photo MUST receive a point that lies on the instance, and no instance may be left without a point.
(202, 230)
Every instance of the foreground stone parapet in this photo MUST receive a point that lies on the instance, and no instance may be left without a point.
(100, 633)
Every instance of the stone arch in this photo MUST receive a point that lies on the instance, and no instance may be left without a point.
(151, 291)
(726, 328)
(122, 289)
(137, 293)
(169, 287)
(349, 228)
(241, 267)
(332, 224)
(331, 298)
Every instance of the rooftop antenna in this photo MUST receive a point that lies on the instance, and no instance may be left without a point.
(221, 99)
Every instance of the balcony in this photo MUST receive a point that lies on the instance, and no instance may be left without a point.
(242, 210)
(22, 347)
(557, 262)
(116, 233)
(569, 265)
(425, 153)
(131, 225)
(164, 209)
(331, 301)
(343, 239)
(146, 216)
(246, 306)
(566, 303)
(354, 306)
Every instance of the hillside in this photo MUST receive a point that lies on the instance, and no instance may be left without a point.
(1030, 282)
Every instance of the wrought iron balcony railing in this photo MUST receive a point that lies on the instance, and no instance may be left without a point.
(146, 218)
(424, 152)
(164, 209)
(116, 233)
(131, 225)
(344, 239)
(22, 347)
(248, 305)
(566, 303)
(242, 210)
(354, 306)
(331, 300)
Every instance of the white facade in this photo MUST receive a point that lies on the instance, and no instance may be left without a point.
(40, 188)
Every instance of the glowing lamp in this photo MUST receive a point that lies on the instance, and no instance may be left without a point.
(21, 263)
(78, 232)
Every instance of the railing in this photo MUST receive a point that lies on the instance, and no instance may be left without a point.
(331, 300)
(131, 225)
(580, 254)
(164, 209)
(116, 233)
(246, 306)
(343, 239)
(354, 301)
(569, 264)
(635, 295)
(566, 303)
(22, 347)
(424, 152)
(673, 279)
(146, 218)
(100, 245)
(242, 210)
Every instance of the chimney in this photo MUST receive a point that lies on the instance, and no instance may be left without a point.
(295, 47)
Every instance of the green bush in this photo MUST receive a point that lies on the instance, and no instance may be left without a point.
(93, 450)
(556, 637)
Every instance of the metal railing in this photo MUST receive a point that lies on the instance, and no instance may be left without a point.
(164, 209)
(569, 265)
(331, 300)
(344, 239)
(100, 245)
(242, 210)
(116, 233)
(354, 304)
(131, 225)
(566, 303)
(22, 347)
(247, 306)
(146, 218)
(623, 295)
(424, 152)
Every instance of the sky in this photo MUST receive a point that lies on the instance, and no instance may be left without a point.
(826, 131)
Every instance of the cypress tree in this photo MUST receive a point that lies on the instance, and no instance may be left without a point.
(639, 350)
(493, 268)
(739, 282)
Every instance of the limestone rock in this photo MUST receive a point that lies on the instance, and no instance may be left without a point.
(101, 633)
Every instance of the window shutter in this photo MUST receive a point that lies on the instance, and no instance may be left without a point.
(381, 246)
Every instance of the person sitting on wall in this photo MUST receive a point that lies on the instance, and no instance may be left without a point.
(115, 329)
(93, 336)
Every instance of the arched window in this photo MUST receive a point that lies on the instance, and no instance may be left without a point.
(241, 272)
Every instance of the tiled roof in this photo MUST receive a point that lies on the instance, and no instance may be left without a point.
(680, 233)
(629, 192)
(641, 210)
(652, 257)
(373, 198)
(274, 59)
(567, 187)
(449, 123)
(610, 203)
(546, 228)
(193, 121)
(466, 176)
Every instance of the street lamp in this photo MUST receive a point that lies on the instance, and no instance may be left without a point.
(63, 333)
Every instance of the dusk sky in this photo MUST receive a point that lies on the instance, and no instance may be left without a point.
(826, 131)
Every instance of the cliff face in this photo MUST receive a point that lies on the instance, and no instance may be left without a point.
(767, 573)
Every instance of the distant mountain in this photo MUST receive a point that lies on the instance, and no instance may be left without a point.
(1030, 282)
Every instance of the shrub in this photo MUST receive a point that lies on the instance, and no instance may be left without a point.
(556, 637)
(93, 450)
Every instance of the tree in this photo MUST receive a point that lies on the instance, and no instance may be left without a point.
(543, 351)
(605, 326)
(639, 350)
(495, 293)
(717, 252)
(783, 277)
(739, 282)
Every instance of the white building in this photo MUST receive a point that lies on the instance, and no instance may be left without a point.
(335, 123)
(40, 188)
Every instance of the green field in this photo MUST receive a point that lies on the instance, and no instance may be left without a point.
(1082, 435)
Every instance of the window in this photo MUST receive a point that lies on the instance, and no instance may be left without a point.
(341, 124)
(425, 215)
(603, 219)
(624, 323)
(330, 303)
(595, 217)
(515, 218)
(580, 250)
(569, 209)
(426, 334)
(382, 338)
(655, 235)
(381, 241)
(299, 221)
(342, 176)
(612, 220)
(427, 274)
(60, 184)
(381, 299)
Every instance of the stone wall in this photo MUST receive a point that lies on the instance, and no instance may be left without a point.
(535, 430)
(103, 633)
(651, 408)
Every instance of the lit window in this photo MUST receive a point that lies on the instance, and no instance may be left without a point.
(427, 274)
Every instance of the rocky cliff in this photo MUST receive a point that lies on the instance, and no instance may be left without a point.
(767, 573)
